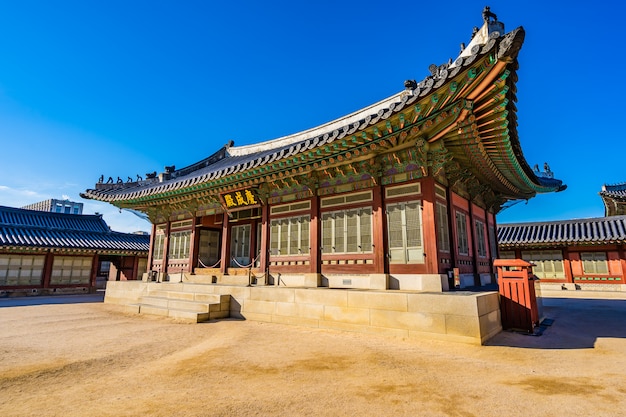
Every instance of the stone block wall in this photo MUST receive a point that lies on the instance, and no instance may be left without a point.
(454, 316)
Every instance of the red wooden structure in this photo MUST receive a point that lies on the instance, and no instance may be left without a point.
(518, 301)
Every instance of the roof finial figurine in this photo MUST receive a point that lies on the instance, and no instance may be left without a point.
(546, 167)
(487, 13)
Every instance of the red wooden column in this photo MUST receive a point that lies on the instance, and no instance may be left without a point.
(166, 249)
(315, 242)
(567, 267)
(263, 244)
(193, 245)
(151, 249)
(622, 257)
(136, 268)
(379, 231)
(474, 246)
(47, 269)
(225, 263)
(95, 260)
(429, 227)
(451, 228)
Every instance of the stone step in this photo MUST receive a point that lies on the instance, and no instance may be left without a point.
(177, 304)
(191, 295)
(183, 315)
(180, 295)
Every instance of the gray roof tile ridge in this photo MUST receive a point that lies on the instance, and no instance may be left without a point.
(587, 220)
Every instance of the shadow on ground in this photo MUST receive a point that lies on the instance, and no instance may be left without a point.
(578, 323)
(51, 299)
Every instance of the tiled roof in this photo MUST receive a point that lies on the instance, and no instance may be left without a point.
(614, 199)
(600, 230)
(616, 191)
(504, 155)
(30, 228)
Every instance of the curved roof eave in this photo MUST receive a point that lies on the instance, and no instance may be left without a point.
(230, 160)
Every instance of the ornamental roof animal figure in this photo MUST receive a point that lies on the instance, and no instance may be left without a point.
(487, 13)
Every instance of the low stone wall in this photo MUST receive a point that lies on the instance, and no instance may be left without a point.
(455, 316)
(557, 286)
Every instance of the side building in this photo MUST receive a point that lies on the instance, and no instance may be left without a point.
(574, 254)
(401, 194)
(46, 253)
(57, 206)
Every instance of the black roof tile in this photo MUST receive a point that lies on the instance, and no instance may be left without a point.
(30, 228)
(600, 230)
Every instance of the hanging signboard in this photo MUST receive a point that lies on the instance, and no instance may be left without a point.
(240, 199)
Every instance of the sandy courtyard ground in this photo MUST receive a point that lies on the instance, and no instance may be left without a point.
(93, 360)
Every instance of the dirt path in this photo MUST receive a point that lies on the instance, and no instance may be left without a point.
(93, 360)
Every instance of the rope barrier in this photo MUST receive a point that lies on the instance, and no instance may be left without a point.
(249, 265)
(204, 266)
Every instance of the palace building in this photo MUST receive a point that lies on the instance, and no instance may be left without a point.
(399, 195)
(43, 252)
(397, 201)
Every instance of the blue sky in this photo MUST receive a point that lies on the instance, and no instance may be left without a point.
(120, 88)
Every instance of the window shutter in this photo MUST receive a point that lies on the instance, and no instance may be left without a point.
(366, 230)
(304, 234)
(275, 237)
(352, 231)
(294, 239)
(284, 237)
(413, 232)
(327, 233)
(340, 230)
(396, 241)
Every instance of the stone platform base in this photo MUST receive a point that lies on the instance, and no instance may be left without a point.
(453, 316)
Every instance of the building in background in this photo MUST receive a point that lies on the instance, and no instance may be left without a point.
(57, 206)
(578, 253)
(45, 253)
(614, 199)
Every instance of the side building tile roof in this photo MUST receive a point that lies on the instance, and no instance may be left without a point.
(593, 231)
(614, 199)
(616, 191)
(38, 229)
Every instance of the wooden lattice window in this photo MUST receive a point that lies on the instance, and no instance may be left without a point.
(548, 263)
(404, 225)
(21, 269)
(71, 270)
(461, 234)
(443, 233)
(179, 244)
(480, 238)
(594, 263)
(290, 236)
(347, 231)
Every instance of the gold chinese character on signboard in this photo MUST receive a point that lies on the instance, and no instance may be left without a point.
(250, 197)
(239, 197)
(229, 200)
